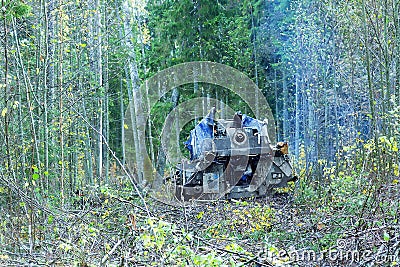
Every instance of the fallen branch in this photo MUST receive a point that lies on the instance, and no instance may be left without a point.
(107, 256)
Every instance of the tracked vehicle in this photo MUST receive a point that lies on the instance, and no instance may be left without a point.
(232, 159)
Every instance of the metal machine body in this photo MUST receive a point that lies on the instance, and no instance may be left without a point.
(232, 159)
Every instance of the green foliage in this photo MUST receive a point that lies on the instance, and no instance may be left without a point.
(174, 247)
(15, 9)
(20, 9)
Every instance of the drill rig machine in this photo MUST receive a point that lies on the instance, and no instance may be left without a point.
(232, 159)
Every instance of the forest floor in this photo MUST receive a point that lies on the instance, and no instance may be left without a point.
(300, 228)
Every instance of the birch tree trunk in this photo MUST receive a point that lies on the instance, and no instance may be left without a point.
(49, 81)
(297, 119)
(138, 132)
(96, 68)
(61, 119)
(285, 123)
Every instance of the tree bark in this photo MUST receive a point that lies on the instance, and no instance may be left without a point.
(137, 102)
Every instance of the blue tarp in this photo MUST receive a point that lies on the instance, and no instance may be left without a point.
(251, 122)
(202, 131)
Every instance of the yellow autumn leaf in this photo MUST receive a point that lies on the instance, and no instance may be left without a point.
(394, 147)
(146, 37)
(396, 170)
(4, 112)
(200, 215)
(126, 126)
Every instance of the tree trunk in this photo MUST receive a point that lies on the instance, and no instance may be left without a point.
(161, 157)
(137, 102)
(297, 119)
(285, 123)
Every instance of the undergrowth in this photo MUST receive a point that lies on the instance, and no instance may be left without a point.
(333, 215)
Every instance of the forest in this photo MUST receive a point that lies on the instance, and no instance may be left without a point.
(97, 99)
